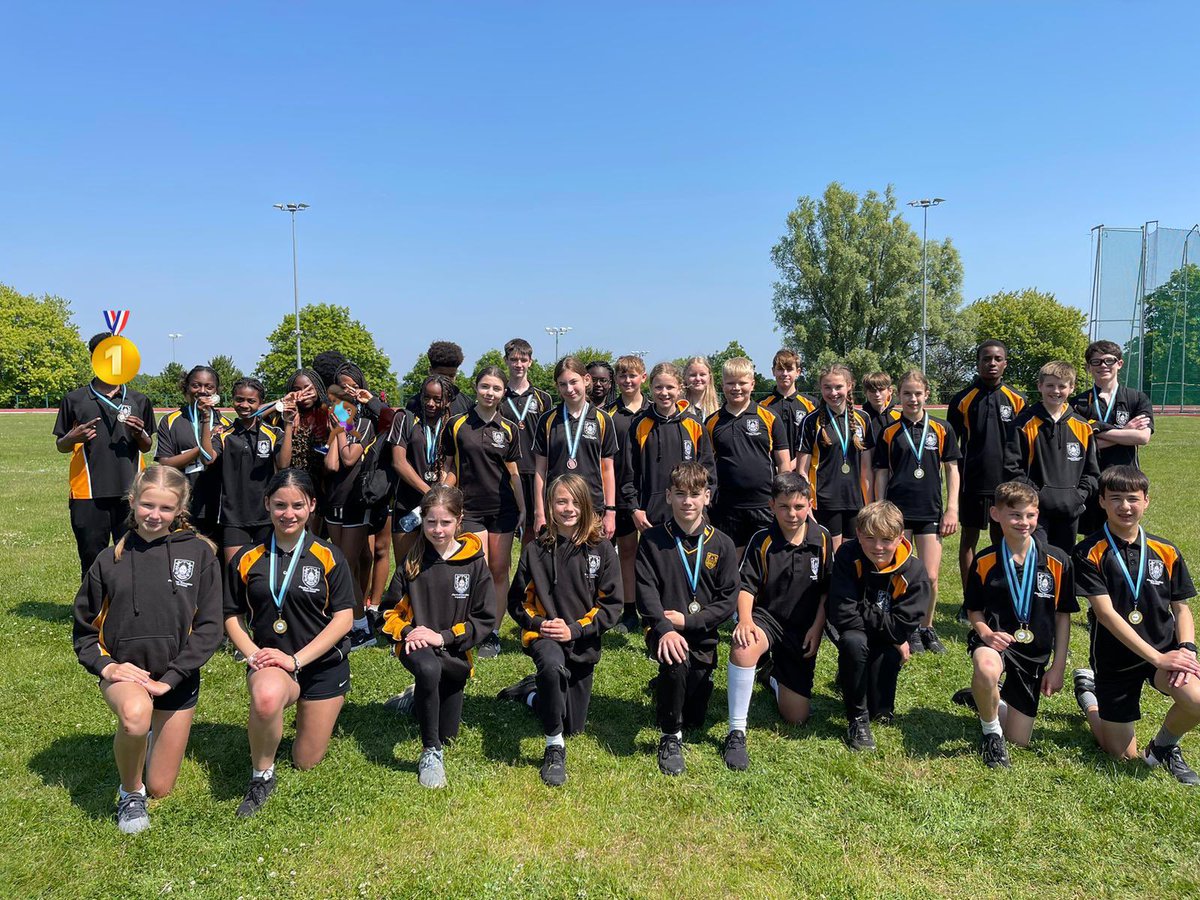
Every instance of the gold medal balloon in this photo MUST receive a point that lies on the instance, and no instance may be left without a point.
(116, 359)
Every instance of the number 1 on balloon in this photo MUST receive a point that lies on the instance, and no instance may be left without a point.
(113, 354)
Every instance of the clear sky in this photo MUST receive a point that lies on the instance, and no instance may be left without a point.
(481, 170)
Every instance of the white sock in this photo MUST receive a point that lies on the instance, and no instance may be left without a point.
(992, 727)
(740, 689)
(555, 740)
(360, 624)
(122, 793)
(529, 700)
(774, 687)
(266, 773)
(677, 735)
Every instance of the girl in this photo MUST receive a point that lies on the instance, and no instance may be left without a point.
(147, 639)
(909, 461)
(567, 593)
(417, 458)
(180, 448)
(631, 375)
(244, 457)
(438, 607)
(481, 451)
(701, 394)
(601, 391)
(576, 438)
(306, 413)
(835, 453)
(298, 596)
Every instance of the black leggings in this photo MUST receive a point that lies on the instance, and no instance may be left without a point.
(564, 688)
(867, 673)
(96, 523)
(684, 690)
(440, 679)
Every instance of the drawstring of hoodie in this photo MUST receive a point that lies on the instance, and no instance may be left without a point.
(171, 564)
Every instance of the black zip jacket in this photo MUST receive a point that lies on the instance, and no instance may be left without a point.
(1057, 458)
(159, 607)
(886, 603)
(982, 417)
(580, 584)
(657, 444)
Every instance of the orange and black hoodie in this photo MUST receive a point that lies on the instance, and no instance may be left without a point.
(657, 444)
(452, 596)
(578, 583)
(886, 603)
(158, 607)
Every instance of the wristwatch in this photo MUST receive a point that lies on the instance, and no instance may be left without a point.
(1187, 645)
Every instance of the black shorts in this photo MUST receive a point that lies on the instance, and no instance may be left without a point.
(353, 515)
(973, 511)
(503, 522)
(922, 526)
(322, 682)
(789, 666)
(838, 521)
(527, 490)
(182, 696)
(1022, 687)
(244, 535)
(1119, 694)
(625, 524)
(740, 524)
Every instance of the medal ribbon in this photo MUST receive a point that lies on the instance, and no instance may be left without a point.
(278, 596)
(115, 320)
(432, 439)
(524, 410)
(692, 572)
(573, 442)
(1106, 414)
(843, 438)
(195, 410)
(106, 400)
(1136, 587)
(1021, 595)
(908, 436)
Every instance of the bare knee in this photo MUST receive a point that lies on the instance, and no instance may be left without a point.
(267, 702)
(158, 786)
(794, 716)
(304, 759)
(134, 715)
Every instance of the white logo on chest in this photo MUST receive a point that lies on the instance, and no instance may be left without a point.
(181, 572)
(1074, 451)
(462, 584)
(310, 577)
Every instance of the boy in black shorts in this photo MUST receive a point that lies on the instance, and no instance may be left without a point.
(781, 609)
(1138, 588)
(1019, 597)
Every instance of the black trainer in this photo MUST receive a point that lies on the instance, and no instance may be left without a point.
(1085, 683)
(520, 691)
(964, 697)
(915, 645)
(670, 755)
(554, 766)
(994, 751)
(1171, 759)
(734, 751)
(929, 637)
(256, 795)
(361, 637)
(858, 734)
(489, 647)
(630, 623)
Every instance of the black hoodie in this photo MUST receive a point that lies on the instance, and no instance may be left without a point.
(158, 607)
(886, 603)
(659, 443)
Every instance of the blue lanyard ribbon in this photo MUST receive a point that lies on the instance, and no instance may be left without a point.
(843, 438)
(573, 442)
(1106, 414)
(106, 400)
(524, 410)
(195, 411)
(1136, 587)
(908, 436)
(432, 439)
(692, 572)
(297, 552)
(1021, 595)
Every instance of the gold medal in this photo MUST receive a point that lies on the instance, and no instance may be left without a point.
(1135, 616)
(280, 626)
(694, 607)
(845, 468)
(1024, 636)
(918, 473)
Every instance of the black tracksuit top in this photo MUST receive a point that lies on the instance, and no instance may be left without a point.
(886, 603)
(1057, 458)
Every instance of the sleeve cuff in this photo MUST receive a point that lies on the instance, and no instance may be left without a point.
(448, 637)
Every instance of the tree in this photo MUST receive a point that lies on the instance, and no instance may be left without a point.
(1172, 315)
(227, 374)
(42, 356)
(322, 326)
(1036, 328)
(850, 281)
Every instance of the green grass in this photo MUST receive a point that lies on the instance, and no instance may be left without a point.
(922, 817)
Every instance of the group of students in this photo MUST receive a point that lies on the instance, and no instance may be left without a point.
(665, 515)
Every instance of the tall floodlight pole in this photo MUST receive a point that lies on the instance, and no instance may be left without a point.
(558, 331)
(925, 204)
(1183, 355)
(294, 208)
(174, 336)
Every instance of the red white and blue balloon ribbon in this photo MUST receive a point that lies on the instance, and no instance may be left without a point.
(116, 320)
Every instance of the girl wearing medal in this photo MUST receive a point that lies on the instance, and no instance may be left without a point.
(566, 594)
(835, 453)
(416, 442)
(701, 393)
(289, 607)
(180, 447)
(311, 428)
(576, 438)
(909, 458)
(147, 617)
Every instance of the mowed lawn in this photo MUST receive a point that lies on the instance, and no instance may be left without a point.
(921, 817)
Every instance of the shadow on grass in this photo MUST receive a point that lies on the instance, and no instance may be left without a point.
(377, 730)
(223, 751)
(44, 610)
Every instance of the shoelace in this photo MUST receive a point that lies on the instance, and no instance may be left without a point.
(133, 803)
(427, 761)
(258, 790)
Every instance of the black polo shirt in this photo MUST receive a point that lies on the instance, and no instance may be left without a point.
(478, 453)
(176, 435)
(524, 410)
(836, 489)
(920, 499)
(597, 442)
(246, 459)
(623, 417)
(106, 465)
(880, 419)
(982, 417)
(409, 432)
(792, 410)
(742, 447)
(788, 580)
(342, 488)
(1126, 404)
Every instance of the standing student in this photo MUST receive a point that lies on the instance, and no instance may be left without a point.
(444, 359)
(244, 457)
(482, 452)
(1141, 628)
(180, 448)
(982, 415)
(909, 460)
(1121, 417)
(780, 610)
(146, 639)
(106, 428)
(602, 388)
(438, 607)
(701, 393)
(687, 585)
(295, 594)
(1019, 598)
(878, 594)
(416, 447)
(749, 446)
(311, 431)
(566, 594)
(1056, 453)
(523, 406)
(877, 402)
(785, 401)
(630, 403)
(835, 453)
(576, 438)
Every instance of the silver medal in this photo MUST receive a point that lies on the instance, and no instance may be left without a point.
(694, 607)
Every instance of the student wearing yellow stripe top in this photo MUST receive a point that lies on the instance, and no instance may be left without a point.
(877, 402)
(630, 403)
(567, 592)
(438, 607)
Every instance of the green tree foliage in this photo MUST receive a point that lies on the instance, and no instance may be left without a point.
(850, 280)
(324, 326)
(1036, 328)
(227, 372)
(1171, 311)
(42, 356)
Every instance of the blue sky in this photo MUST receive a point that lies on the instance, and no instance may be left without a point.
(483, 170)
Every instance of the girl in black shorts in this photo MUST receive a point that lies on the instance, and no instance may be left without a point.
(416, 442)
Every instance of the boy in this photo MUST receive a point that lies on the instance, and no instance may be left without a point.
(982, 415)
(523, 405)
(631, 375)
(785, 401)
(750, 445)
(444, 359)
(1141, 628)
(1121, 418)
(877, 402)
(781, 609)
(878, 593)
(1019, 597)
(1054, 450)
(687, 583)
